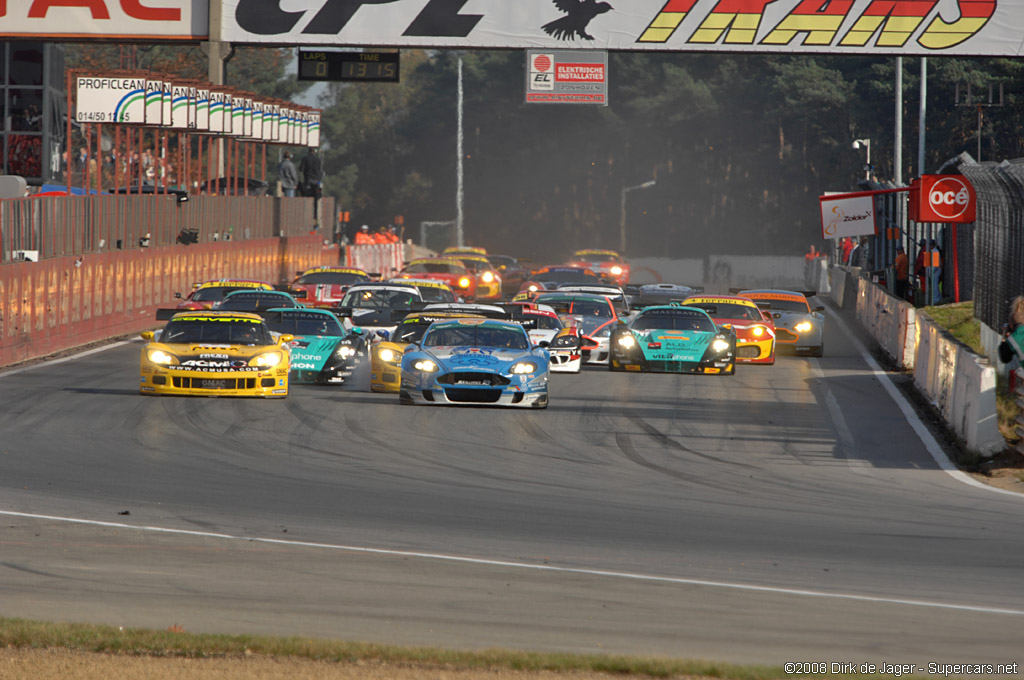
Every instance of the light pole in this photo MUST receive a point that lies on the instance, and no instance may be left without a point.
(866, 143)
(459, 190)
(622, 214)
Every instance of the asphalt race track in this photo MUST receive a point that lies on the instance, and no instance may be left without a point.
(787, 514)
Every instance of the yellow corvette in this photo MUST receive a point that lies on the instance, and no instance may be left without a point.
(215, 354)
(386, 356)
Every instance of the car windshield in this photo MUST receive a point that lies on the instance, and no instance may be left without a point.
(542, 322)
(378, 298)
(477, 336)
(601, 309)
(216, 331)
(728, 310)
(786, 305)
(306, 324)
(566, 276)
(214, 293)
(503, 261)
(432, 294)
(334, 278)
(411, 331)
(597, 257)
(434, 268)
(476, 266)
(679, 320)
(250, 302)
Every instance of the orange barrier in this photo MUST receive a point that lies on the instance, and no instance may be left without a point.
(65, 302)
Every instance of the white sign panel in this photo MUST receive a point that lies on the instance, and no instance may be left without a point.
(257, 120)
(168, 101)
(66, 20)
(233, 121)
(218, 107)
(203, 108)
(313, 139)
(110, 100)
(180, 106)
(567, 77)
(154, 102)
(903, 27)
(271, 121)
(847, 215)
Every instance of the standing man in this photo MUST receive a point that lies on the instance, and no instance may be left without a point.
(287, 174)
(901, 271)
(312, 180)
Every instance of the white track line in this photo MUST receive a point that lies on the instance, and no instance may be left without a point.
(523, 565)
(929, 441)
(51, 362)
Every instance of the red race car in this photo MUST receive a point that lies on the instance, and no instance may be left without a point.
(608, 264)
(447, 270)
(325, 286)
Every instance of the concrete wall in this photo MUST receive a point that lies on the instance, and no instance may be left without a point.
(64, 302)
(718, 273)
(960, 384)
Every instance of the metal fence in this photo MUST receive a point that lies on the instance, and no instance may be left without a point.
(999, 237)
(52, 226)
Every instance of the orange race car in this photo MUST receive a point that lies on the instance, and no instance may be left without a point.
(755, 332)
(445, 269)
(488, 280)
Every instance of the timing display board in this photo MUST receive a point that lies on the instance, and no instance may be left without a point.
(349, 66)
(900, 27)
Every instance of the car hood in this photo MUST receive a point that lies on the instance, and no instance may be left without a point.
(477, 358)
(675, 345)
(313, 350)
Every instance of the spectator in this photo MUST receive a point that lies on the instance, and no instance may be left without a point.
(859, 254)
(901, 272)
(312, 174)
(1011, 349)
(381, 236)
(928, 258)
(363, 238)
(287, 174)
(847, 246)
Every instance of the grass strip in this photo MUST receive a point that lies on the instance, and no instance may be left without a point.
(21, 633)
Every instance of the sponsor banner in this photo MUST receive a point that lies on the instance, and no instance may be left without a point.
(257, 120)
(567, 77)
(237, 115)
(847, 215)
(110, 100)
(105, 19)
(168, 101)
(902, 27)
(942, 198)
(271, 121)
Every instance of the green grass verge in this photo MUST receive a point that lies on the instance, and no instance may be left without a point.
(20, 633)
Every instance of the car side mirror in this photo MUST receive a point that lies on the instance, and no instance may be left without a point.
(177, 296)
(343, 311)
(543, 344)
(147, 336)
(285, 339)
(383, 334)
(820, 308)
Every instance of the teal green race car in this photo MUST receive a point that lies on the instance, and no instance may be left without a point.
(322, 351)
(673, 339)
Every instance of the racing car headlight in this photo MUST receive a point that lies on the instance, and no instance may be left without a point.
(158, 356)
(720, 345)
(387, 354)
(268, 360)
(803, 327)
(565, 341)
(523, 367)
(616, 270)
(758, 331)
(533, 289)
(464, 282)
(346, 351)
(627, 341)
(488, 277)
(425, 365)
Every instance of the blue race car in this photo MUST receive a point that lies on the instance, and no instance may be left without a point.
(323, 352)
(475, 361)
(673, 339)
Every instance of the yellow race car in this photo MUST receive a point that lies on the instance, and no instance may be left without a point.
(386, 355)
(215, 354)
